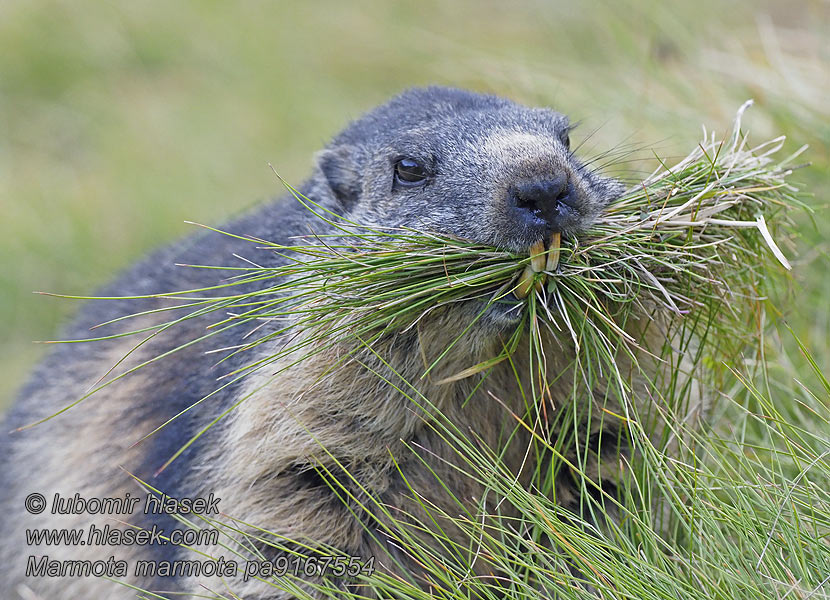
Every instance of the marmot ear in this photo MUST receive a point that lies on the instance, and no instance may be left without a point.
(339, 167)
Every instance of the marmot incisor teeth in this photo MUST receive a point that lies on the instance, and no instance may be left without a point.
(450, 161)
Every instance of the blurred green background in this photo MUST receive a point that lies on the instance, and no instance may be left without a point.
(118, 121)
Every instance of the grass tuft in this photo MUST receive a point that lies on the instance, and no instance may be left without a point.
(738, 509)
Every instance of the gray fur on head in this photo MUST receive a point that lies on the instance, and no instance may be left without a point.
(479, 151)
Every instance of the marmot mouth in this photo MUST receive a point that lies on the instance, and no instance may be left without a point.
(542, 261)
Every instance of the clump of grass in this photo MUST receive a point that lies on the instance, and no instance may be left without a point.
(693, 243)
(691, 239)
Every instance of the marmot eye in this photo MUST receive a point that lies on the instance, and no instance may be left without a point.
(410, 172)
(566, 140)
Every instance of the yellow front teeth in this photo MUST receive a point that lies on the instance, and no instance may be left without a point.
(537, 256)
(541, 261)
(553, 254)
(525, 283)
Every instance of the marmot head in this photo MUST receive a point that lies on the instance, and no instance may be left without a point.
(475, 166)
(455, 162)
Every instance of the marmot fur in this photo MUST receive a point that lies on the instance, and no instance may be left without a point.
(445, 160)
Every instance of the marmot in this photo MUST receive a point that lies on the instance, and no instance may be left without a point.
(445, 160)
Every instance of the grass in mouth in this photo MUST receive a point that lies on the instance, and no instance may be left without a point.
(691, 239)
(693, 243)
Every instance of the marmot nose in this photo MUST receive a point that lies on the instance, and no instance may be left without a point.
(541, 195)
(542, 198)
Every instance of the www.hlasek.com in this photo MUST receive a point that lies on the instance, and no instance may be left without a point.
(114, 536)
(94, 535)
